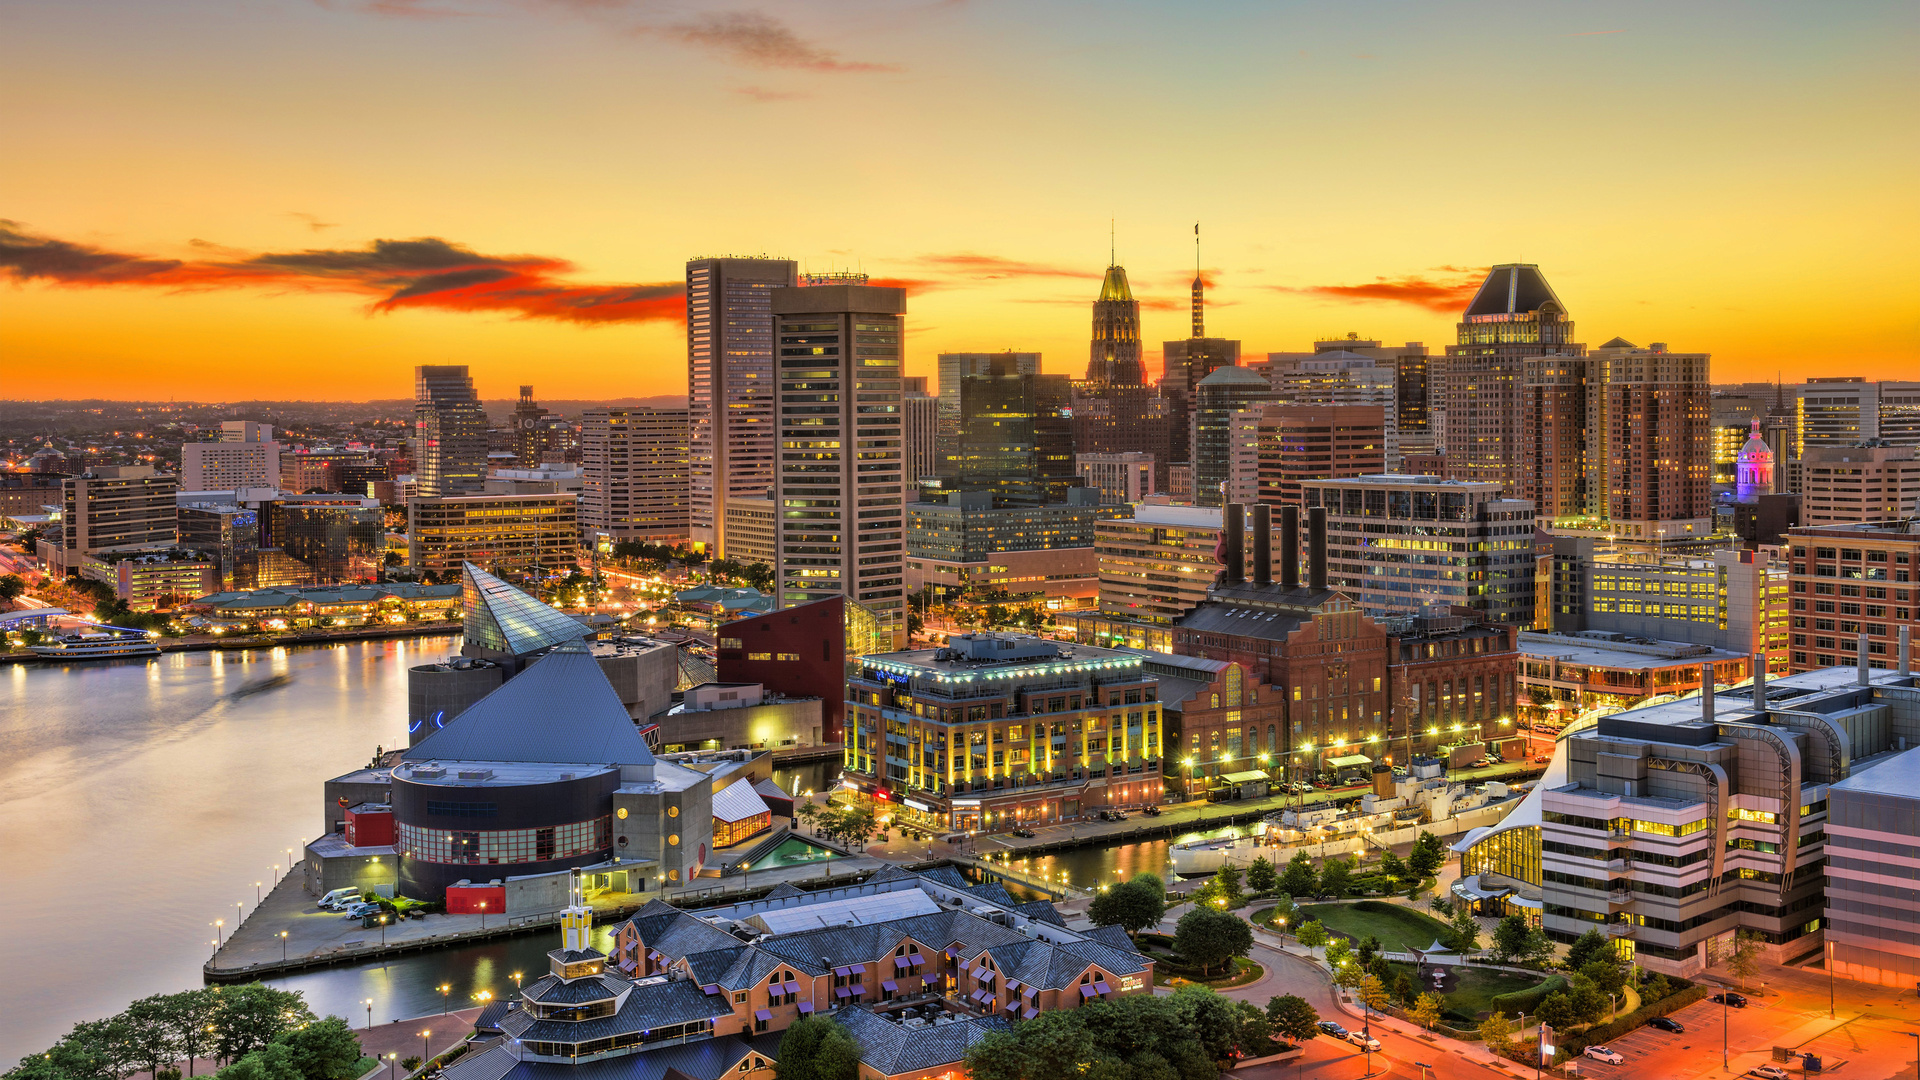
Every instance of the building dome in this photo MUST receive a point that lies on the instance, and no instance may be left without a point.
(1753, 468)
(1229, 376)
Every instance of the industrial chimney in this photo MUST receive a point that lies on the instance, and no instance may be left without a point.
(1706, 691)
(1290, 546)
(1263, 544)
(1317, 547)
(1232, 547)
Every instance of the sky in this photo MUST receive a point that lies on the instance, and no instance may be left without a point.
(239, 199)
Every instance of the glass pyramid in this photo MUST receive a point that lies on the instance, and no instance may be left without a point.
(504, 619)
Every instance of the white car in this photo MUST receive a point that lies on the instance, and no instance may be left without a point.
(1364, 1041)
(1601, 1053)
(1768, 1072)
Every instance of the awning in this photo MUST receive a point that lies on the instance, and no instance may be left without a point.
(857, 969)
(900, 962)
(953, 950)
(1244, 777)
(1013, 1006)
(628, 966)
(857, 989)
(1349, 761)
(981, 973)
(792, 987)
(1031, 991)
(917, 958)
(888, 986)
(1013, 984)
(653, 956)
(1086, 992)
(763, 1014)
(1102, 988)
(711, 989)
(841, 992)
(842, 972)
(1030, 1014)
(806, 1007)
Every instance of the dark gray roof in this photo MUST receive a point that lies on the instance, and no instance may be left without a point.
(561, 709)
(784, 890)
(1513, 288)
(669, 931)
(650, 1005)
(993, 893)
(552, 990)
(704, 1059)
(1231, 374)
(893, 1049)
(1112, 935)
(1041, 911)
(1214, 617)
(943, 875)
(489, 1018)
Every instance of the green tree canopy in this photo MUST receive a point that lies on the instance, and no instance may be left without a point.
(1130, 905)
(1428, 855)
(1510, 939)
(1311, 934)
(1585, 948)
(1299, 878)
(1336, 877)
(248, 1017)
(1261, 876)
(1293, 1017)
(274, 1061)
(1209, 937)
(816, 1048)
(323, 1050)
(1463, 931)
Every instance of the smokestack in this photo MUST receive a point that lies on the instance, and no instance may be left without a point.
(1263, 545)
(1759, 663)
(1317, 547)
(1232, 541)
(1290, 546)
(1906, 643)
(1862, 654)
(1706, 692)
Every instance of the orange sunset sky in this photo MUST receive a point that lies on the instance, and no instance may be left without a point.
(229, 199)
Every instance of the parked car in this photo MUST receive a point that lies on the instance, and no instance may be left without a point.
(1768, 1072)
(1738, 1001)
(1151, 811)
(333, 900)
(1364, 1041)
(1542, 759)
(361, 911)
(1023, 832)
(1667, 1023)
(1328, 1027)
(1601, 1053)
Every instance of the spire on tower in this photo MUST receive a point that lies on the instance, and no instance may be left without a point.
(1199, 289)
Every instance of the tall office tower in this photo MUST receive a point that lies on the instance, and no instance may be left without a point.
(1185, 364)
(634, 479)
(839, 487)
(1515, 315)
(449, 431)
(1296, 443)
(532, 430)
(1114, 358)
(955, 366)
(1222, 395)
(1560, 435)
(921, 414)
(1342, 377)
(1123, 420)
(1120, 478)
(1412, 383)
(245, 456)
(116, 508)
(730, 386)
(1845, 410)
(1016, 438)
(1657, 441)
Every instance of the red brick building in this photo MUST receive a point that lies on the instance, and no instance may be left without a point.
(800, 651)
(1453, 680)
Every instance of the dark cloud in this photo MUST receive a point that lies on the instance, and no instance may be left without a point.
(427, 272)
(757, 40)
(313, 221)
(1443, 295)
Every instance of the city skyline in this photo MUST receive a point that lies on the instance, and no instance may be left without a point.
(298, 232)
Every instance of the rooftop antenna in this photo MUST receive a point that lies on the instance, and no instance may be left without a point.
(1113, 247)
(1199, 289)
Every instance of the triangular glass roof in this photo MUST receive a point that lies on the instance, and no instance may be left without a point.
(561, 709)
(504, 619)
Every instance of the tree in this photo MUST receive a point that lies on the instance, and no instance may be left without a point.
(1426, 1011)
(1589, 1004)
(273, 1061)
(11, 586)
(1537, 951)
(1208, 1017)
(1209, 936)
(1428, 855)
(1744, 960)
(1586, 948)
(1339, 953)
(194, 1013)
(249, 1017)
(1227, 886)
(1606, 973)
(1403, 989)
(1368, 949)
(1261, 876)
(1336, 877)
(1510, 939)
(1463, 932)
(1286, 913)
(1373, 993)
(1393, 866)
(816, 1048)
(1252, 1031)
(88, 1052)
(807, 812)
(324, 1050)
(1556, 1011)
(1293, 1017)
(1497, 1032)
(1299, 878)
(1130, 905)
(150, 1033)
(1381, 970)
(1311, 934)
(1349, 975)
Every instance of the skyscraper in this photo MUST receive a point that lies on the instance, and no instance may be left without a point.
(1016, 438)
(245, 456)
(730, 386)
(1115, 354)
(838, 491)
(449, 431)
(1514, 316)
(1222, 395)
(1658, 442)
(634, 479)
(1185, 364)
(921, 413)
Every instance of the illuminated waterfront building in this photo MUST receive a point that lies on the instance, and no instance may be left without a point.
(535, 534)
(997, 728)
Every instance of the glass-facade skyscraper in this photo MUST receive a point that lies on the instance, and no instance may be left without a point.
(730, 387)
(449, 431)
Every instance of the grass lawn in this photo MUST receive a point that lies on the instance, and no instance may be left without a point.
(1475, 992)
(1399, 929)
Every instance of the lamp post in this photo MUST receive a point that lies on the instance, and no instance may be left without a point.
(256, 893)
(239, 914)
(369, 1004)
(283, 946)
(516, 980)
(383, 931)
(483, 914)
(393, 1064)
(217, 924)
(1916, 1047)
(426, 1048)
(445, 1002)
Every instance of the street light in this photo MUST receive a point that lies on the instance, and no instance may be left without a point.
(483, 914)
(393, 1064)
(516, 980)
(369, 1004)
(445, 1006)
(256, 892)
(426, 1049)
(283, 946)
(383, 931)
(217, 924)
(1916, 1047)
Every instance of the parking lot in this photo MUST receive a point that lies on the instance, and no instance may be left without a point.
(1746, 1030)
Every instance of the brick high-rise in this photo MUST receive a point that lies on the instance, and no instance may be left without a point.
(1515, 316)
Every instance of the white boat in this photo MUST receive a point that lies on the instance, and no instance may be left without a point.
(1208, 856)
(98, 647)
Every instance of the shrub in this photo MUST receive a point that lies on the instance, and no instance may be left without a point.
(1528, 1001)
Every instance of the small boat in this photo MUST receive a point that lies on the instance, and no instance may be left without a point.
(1207, 856)
(117, 646)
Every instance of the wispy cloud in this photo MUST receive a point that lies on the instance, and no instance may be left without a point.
(762, 94)
(1435, 294)
(972, 264)
(1592, 33)
(313, 222)
(428, 273)
(753, 39)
